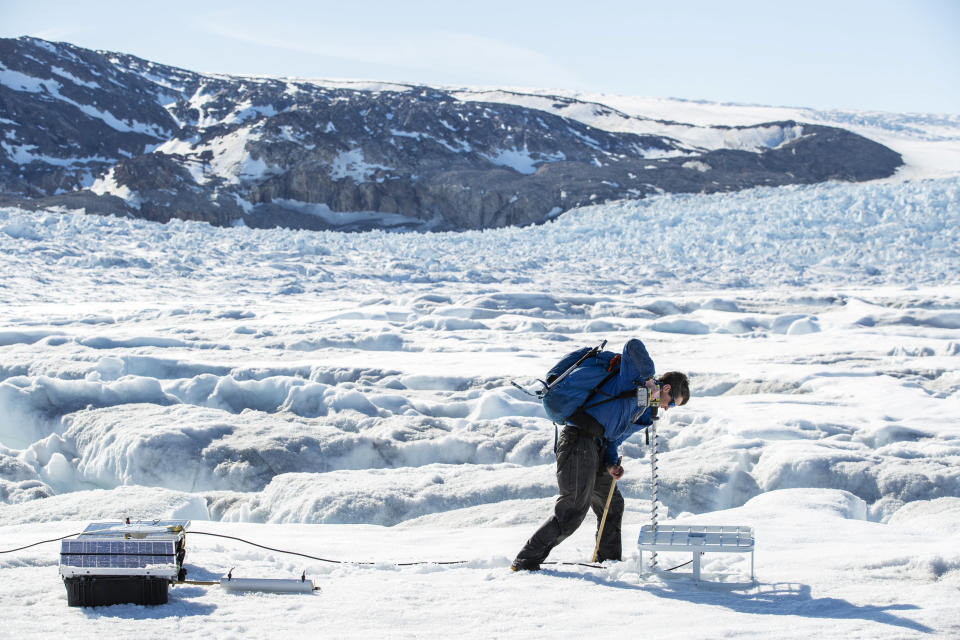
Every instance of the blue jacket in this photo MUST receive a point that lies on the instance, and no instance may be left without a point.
(619, 417)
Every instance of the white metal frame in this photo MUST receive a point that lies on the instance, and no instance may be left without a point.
(696, 539)
(165, 571)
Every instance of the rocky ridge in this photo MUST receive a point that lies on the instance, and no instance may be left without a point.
(116, 134)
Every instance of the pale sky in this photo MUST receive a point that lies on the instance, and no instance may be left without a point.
(884, 55)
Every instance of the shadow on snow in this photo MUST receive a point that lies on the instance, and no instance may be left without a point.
(783, 599)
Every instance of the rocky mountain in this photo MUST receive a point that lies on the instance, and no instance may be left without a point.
(116, 134)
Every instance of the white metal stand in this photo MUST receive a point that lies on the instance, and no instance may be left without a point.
(697, 540)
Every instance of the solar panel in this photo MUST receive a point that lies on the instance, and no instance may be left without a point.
(117, 554)
(114, 548)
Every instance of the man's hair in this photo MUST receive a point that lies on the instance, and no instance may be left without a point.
(679, 386)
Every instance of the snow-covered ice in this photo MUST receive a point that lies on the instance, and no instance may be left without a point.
(349, 396)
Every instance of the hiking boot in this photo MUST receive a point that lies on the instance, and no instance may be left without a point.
(524, 565)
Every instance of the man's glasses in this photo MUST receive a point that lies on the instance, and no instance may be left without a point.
(673, 402)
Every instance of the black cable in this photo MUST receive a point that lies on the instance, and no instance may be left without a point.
(292, 553)
(410, 564)
(396, 564)
(42, 542)
(576, 564)
(304, 555)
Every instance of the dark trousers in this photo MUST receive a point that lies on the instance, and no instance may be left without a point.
(584, 484)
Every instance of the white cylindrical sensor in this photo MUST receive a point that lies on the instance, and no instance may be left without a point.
(272, 585)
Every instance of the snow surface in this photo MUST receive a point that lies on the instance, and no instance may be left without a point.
(349, 396)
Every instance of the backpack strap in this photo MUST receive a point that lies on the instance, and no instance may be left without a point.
(614, 371)
(623, 394)
(596, 389)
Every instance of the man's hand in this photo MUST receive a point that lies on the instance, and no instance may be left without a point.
(616, 471)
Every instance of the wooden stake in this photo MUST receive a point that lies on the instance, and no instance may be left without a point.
(606, 508)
